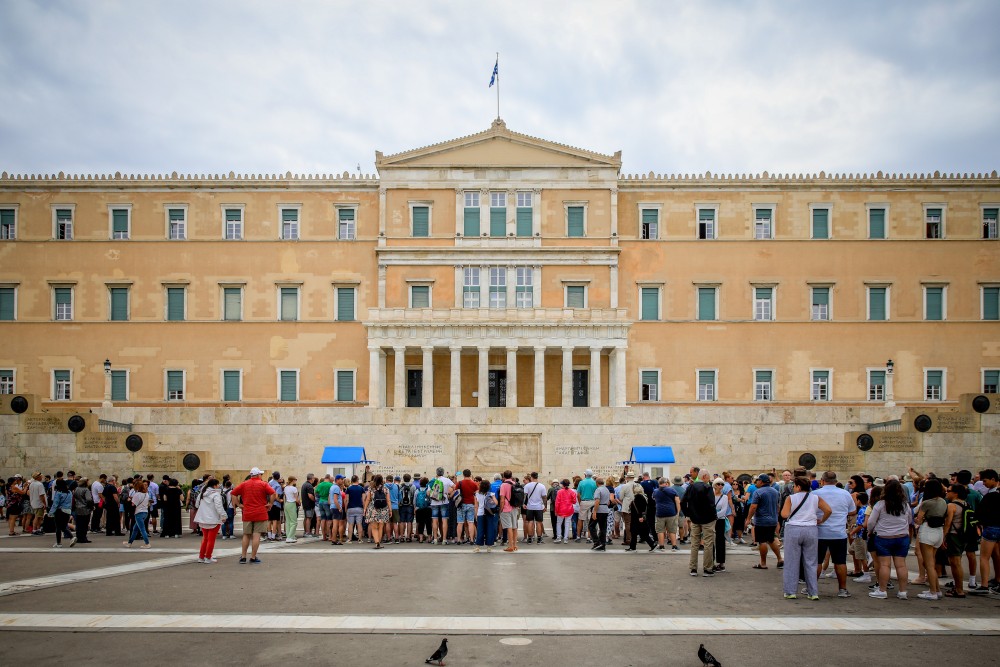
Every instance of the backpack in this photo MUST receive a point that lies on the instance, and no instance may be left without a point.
(436, 492)
(378, 499)
(405, 495)
(517, 495)
(968, 527)
(490, 504)
(422, 500)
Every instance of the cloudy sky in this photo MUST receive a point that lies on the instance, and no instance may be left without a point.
(679, 87)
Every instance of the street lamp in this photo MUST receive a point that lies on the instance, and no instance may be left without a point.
(888, 366)
(890, 401)
(107, 366)
(107, 383)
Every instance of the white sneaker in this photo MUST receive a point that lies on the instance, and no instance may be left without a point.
(57, 546)
(863, 579)
(211, 560)
(202, 560)
(927, 595)
(901, 595)
(290, 541)
(565, 541)
(878, 593)
(828, 574)
(972, 582)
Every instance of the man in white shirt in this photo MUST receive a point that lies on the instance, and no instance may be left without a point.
(439, 508)
(154, 494)
(96, 491)
(832, 533)
(534, 504)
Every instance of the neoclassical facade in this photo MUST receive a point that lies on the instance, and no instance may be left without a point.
(480, 292)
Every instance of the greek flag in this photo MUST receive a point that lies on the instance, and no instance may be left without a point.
(496, 73)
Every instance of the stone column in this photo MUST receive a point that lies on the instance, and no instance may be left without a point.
(539, 376)
(567, 377)
(455, 400)
(399, 377)
(375, 366)
(428, 387)
(613, 275)
(511, 377)
(619, 378)
(595, 377)
(484, 377)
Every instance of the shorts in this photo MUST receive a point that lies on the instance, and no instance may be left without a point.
(309, 513)
(274, 514)
(955, 545)
(666, 524)
(439, 511)
(466, 513)
(837, 548)
(406, 513)
(972, 546)
(254, 527)
(355, 515)
(516, 514)
(764, 534)
(586, 507)
(896, 547)
(535, 515)
(506, 519)
(324, 511)
(991, 533)
(394, 517)
(39, 512)
(859, 548)
(931, 536)
(336, 514)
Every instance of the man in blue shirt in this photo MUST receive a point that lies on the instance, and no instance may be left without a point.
(764, 514)
(393, 487)
(668, 506)
(832, 533)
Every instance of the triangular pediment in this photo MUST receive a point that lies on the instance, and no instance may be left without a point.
(497, 147)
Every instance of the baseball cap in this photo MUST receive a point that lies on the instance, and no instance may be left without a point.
(256, 472)
(764, 477)
(338, 477)
(588, 472)
(677, 479)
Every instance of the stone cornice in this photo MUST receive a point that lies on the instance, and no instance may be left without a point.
(526, 334)
(822, 180)
(498, 255)
(175, 181)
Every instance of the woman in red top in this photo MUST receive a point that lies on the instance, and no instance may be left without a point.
(565, 500)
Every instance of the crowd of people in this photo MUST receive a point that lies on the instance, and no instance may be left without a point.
(812, 523)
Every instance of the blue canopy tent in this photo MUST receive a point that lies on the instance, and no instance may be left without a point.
(345, 458)
(647, 458)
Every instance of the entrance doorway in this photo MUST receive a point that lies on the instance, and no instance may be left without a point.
(581, 383)
(414, 388)
(498, 388)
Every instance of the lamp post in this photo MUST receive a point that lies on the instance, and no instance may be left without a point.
(889, 402)
(107, 384)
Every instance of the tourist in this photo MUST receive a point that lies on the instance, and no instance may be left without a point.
(291, 510)
(392, 487)
(307, 499)
(255, 497)
(190, 503)
(172, 503)
(890, 520)
(126, 506)
(535, 495)
(275, 513)
(624, 494)
(972, 499)
(955, 536)
(803, 512)
(859, 540)
(565, 499)
(439, 494)
(930, 536)
(376, 509)
(466, 515)
(82, 504)
(153, 491)
(699, 506)
(407, 496)
(988, 516)
(38, 502)
(585, 492)
(832, 533)
(227, 503)
(764, 517)
(422, 511)
(211, 515)
(507, 521)
(338, 511)
(61, 510)
(140, 503)
(323, 514)
(723, 510)
(17, 492)
(550, 502)
(667, 508)
(640, 521)
(112, 513)
(487, 507)
(97, 495)
(598, 516)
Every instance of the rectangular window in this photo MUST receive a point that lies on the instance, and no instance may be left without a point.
(762, 387)
(470, 287)
(175, 385)
(821, 223)
(346, 229)
(345, 385)
(991, 381)
(175, 304)
(420, 296)
(64, 224)
(934, 385)
(934, 303)
(876, 223)
(991, 303)
(421, 220)
(289, 223)
(470, 223)
(650, 307)
(232, 389)
(524, 290)
(707, 298)
(934, 223)
(576, 296)
(821, 385)
(498, 287)
(345, 304)
(706, 223)
(574, 221)
(289, 386)
(61, 388)
(650, 223)
(64, 303)
(821, 303)
(762, 223)
(177, 224)
(650, 385)
(763, 303)
(876, 385)
(498, 214)
(120, 219)
(6, 380)
(8, 223)
(878, 303)
(119, 385)
(706, 385)
(524, 214)
(8, 304)
(232, 308)
(990, 223)
(289, 298)
(234, 224)
(119, 304)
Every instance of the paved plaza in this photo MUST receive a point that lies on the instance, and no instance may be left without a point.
(550, 604)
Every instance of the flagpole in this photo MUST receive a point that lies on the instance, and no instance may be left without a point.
(498, 84)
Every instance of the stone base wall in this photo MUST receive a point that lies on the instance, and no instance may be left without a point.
(557, 442)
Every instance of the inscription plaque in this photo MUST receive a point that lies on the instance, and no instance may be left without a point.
(488, 453)
(100, 443)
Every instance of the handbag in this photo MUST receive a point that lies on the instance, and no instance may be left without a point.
(798, 507)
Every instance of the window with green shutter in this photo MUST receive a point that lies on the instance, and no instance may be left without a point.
(498, 214)
(289, 223)
(119, 304)
(576, 296)
(650, 224)
(175, 304)
(990, 223)
(524, 219)
(706, 223)
(706, 303)
(345, 304)
(119, 223)
(346, 229)
(232, 304)
(289, 385)
(289, 304)
(821, 223)
(175, 385)
(64, 303)
(64, 224)
(8, 299)
(61, 388)
(177, 225)
(8, 224)
(934, 223)
(650, 303)
(991, 303)
(706, 385)
(763, 304)
(821, 303)
(821, 385)
(877, 303)
(420, 296)
(470, 221)
(935, 386)
(876, 385)
(762, 223)
(991, 381)
(421, 221)
(345, 385)
(234, 224)
(6, 381)
(231, 385)
(119, 385)
(934, 306)
(876, 223)
(762, 390)
(650, 386)
(574, 221)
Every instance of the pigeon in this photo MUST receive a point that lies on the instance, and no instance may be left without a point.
(706, 657)
(439, 654)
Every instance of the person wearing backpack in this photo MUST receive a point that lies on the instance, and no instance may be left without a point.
(958, 523)
(439, 493)
(422, 511)
(930, 534)
(507, 521)
(406, 499)
(377, 509)
(487, 515)
(517, 501)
